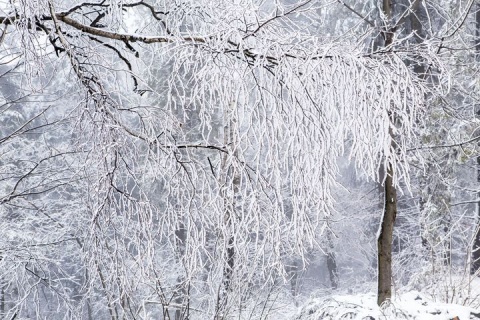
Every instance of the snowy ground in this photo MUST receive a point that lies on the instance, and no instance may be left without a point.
(411, 305)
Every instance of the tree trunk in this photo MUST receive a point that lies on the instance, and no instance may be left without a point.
(475, 268)
(385, 235)
(230, 263)
(230, 204)
(2, 301)
(231, 178)
(384, 241)
(180, 293)
(332, 262)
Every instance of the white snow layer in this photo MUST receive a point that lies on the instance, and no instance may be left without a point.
(411, 305)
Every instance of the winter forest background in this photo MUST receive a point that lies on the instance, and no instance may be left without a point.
(230, 159)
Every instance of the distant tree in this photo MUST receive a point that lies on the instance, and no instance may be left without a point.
(475, 268)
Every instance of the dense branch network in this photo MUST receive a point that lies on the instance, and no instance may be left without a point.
(95, 28)
(221, 170)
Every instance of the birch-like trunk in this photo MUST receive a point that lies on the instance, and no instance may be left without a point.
(231, 180)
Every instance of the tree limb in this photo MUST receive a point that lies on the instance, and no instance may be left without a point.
(121, 36)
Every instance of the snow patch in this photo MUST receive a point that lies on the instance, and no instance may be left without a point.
(411, 305)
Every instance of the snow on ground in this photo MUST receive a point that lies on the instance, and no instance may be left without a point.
(411, 305)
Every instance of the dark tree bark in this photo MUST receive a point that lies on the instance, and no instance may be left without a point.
(2, 301)
(332, 263)
(180, 292)
(332, 269)
(293, 274)
(230, 259)
(385, 236)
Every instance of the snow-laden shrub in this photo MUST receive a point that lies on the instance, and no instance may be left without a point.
(411, 305)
